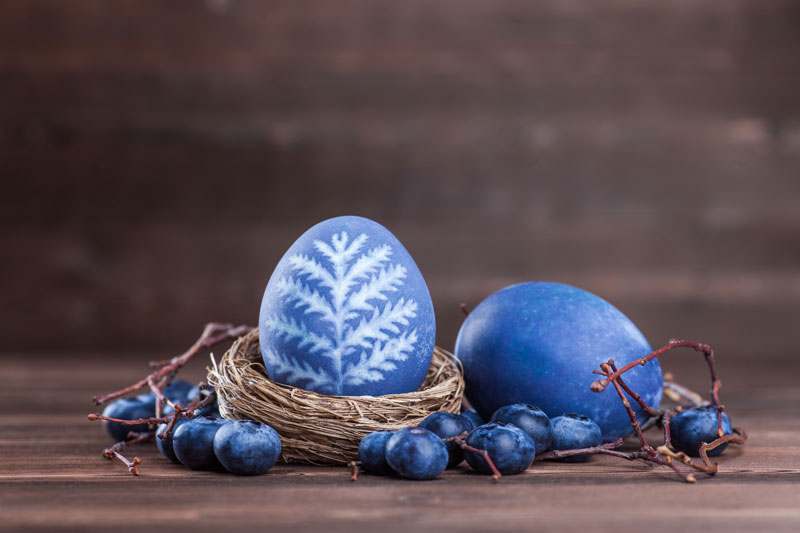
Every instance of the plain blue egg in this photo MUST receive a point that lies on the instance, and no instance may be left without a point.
(347, 312)
(539, 342)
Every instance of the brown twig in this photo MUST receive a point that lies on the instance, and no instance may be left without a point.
(664, 455)
(638, 399)
(353, 470)
(94, 417)
(708, 354)
(604, 449)
(680, 394)
(165, 372)
(212, 335)
(115, 451)
(460, 440)
(705, 349)
(737, 437)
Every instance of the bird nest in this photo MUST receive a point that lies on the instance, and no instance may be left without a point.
(319, 428)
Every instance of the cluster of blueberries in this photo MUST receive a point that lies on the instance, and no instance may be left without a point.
(513, 437)
(204, 442)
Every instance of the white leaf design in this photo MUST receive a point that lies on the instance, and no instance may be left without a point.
(286, 327)
(381, 360)
(351, 297)
(297, 372)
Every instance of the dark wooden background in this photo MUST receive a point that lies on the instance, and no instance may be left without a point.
(158, 157)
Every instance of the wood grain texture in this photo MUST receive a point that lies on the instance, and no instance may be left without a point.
(52, 477)
(159, 157)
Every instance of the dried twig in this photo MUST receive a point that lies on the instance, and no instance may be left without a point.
(212, 335)
(604, 449)
(461, 441)
(664, 455)
(157, 380)
(115, 451)
(354, 470)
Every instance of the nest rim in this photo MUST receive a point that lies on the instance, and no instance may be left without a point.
(319, 428)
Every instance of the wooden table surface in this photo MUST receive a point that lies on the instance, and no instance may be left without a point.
(53, 478)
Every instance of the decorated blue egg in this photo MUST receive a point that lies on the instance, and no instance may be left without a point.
(347, 312)
(540, 342)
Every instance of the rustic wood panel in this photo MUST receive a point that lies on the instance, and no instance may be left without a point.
(158, 157)
(53, 479)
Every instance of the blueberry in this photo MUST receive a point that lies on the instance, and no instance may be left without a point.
(127, 409)
(193, 443)
(247, 448)
(573, 431)
(196, 393)
(209, 411)
(165, 445)
(446, 425)
(510, 448)
(416, 453)
(473, 416)
(529, 419)
(372, 453)
(692, 427)
(177, 391)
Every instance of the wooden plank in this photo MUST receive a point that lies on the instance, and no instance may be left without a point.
(154, 285)
(161, 157)
(389, 51)
(50, 454)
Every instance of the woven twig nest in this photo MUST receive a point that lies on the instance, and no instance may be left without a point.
(323, 429)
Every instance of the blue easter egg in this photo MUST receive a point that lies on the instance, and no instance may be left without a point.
(539, 342)
(347, 312)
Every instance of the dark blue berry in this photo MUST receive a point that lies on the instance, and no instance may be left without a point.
(416, 453)
(529, 419)
(573, 431)
(211, 410)
(446, 425)
(193, 443)
(473, 417)
(177, 392)
(197, 393)
(247, 448)
(372, 453)
(510, 448)
(164, 445)
(692, 427)
(127, 409)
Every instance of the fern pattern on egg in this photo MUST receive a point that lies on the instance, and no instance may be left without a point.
(347, 312)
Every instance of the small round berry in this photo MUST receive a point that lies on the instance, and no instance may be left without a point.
(416, 453)
(372, 453)
(177, 391)
(571, 432)
(247, 448)
(193, 443)
(691, 428)
(446, 425)
(127, 409)
(529, 419)
(164, 444)
(473, 417)
(510, 448)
